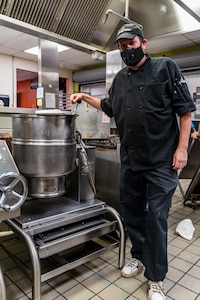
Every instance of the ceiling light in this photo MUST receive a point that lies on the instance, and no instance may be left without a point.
(35, 50)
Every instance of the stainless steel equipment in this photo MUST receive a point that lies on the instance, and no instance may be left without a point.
(13, 192)
(191, 172)
(44, 149)
(108, 176)
(13, 186)
(65, 223)
(2, 286)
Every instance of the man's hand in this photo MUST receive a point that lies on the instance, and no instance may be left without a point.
(95, 102)
(180, 159)
(76, 98)
(195, 136)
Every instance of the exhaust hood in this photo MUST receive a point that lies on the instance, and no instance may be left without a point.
(169, 25)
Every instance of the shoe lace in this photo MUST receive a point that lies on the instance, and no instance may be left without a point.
(156, 287)
(133, 263)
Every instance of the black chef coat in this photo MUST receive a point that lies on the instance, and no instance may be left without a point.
(145, 104)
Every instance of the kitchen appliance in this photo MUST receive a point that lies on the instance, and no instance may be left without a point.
(13, 192)
(61, 217)
(44, 149)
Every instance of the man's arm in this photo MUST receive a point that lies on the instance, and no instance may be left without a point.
(95, 102)
(181, 155)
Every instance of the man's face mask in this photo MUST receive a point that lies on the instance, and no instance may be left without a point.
(132, 57)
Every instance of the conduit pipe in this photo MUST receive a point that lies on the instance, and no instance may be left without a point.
(123, 18)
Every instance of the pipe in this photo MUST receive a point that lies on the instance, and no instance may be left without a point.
(126, 8)
(2, 286)
(93, 75)
(36, 268)
(122, 244)
(126, 20)
(190, 69)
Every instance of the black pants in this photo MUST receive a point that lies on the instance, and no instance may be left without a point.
(145, 199)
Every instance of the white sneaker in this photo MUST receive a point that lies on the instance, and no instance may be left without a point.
(156, 290)
(132, 268)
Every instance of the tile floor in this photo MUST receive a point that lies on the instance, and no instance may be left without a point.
(100, 279)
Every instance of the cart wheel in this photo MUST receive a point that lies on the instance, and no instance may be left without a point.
(13, 191)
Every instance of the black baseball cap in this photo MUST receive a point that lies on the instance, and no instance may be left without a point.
(129, 31)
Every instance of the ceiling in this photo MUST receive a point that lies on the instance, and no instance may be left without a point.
(82, 26)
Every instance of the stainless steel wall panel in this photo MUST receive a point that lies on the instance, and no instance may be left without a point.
(107, 175)
(114, 64)
(48, 76)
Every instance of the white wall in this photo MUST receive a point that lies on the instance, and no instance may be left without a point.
(193, 81)
(6, 125)
(6, 75)
(7, 87)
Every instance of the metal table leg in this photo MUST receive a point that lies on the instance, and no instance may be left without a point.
(2, 286)
(36, 268)
(121, 260)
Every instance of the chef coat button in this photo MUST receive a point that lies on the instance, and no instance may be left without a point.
(128, 109)
(141, 87)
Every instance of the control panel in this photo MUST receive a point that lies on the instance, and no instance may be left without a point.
(7, 163)
(13, 185)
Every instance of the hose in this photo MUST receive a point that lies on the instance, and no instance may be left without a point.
(86, 169)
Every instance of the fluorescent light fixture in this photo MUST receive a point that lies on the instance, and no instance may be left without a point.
(35, 50)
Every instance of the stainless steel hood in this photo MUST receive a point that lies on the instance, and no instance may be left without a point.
(169, 25)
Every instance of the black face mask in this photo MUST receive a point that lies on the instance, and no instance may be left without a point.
(132, 57)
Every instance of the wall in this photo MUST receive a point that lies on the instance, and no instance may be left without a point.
(6, 87)
(193, 81)
(6, 76)
(6, 125)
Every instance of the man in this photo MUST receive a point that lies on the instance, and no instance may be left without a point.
(145, 99)
(195, 133)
